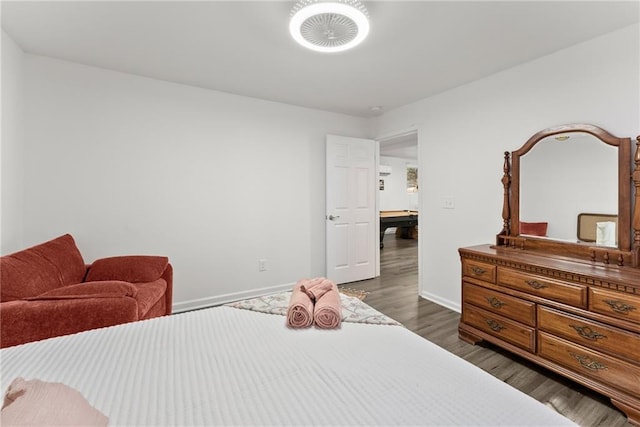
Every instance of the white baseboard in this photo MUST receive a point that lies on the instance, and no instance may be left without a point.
(441, 301)
(196, 304)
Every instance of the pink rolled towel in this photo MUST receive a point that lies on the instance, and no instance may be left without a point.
(300, 311)
(317, 287)
(327, 313)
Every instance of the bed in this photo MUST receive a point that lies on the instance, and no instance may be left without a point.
(240, 365)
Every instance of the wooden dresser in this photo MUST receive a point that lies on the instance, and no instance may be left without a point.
(571, 306)
(577, 319)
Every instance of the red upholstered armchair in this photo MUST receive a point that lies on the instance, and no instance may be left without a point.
(47, 291)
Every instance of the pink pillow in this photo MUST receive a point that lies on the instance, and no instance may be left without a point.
(104, 289)
(533, 228)
(130, 268)
(39, 403)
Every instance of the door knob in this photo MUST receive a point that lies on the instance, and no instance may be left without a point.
(333, 218)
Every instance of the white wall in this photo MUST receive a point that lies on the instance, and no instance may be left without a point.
(462, 134)
(395, 196)
(11, 153)
(130, 165)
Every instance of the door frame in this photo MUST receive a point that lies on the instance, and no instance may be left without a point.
(385, 136)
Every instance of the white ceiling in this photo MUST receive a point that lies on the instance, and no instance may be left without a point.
(415, 48)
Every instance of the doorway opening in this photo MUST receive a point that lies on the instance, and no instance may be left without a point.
(398, 203)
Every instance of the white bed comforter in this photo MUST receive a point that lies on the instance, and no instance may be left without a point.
(227, 366)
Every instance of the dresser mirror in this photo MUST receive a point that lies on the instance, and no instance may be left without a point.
(559, 175)
(566, 176)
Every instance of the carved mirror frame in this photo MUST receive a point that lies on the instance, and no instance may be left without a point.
(628, 250)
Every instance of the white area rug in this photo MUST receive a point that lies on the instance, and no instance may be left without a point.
(353, 310)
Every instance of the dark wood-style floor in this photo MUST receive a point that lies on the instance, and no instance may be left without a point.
(395, 293)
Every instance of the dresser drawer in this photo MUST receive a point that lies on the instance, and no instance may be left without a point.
(499, 326)
(508, 306)
(568, 293)
(617, 304)
(609, 370)
(479, 270)
(590, 333)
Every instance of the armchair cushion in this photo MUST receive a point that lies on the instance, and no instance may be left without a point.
(41, 268)
(131, 268)
(103, 289)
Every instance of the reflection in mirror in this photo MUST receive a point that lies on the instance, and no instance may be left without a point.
(564, 176)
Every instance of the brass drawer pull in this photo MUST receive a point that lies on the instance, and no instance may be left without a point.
(535, 284)
(619, 306)
(495, 326)
(495, 302)
(588, 333)
(477, 270)
(588, 363)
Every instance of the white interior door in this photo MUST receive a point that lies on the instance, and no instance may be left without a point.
(351, 218)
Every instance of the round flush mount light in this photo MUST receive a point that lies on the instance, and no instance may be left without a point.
(329, 26)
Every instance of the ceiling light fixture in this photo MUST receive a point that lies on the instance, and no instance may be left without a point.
(329, 26)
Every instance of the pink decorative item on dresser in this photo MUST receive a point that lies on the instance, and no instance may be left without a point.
(48, 290)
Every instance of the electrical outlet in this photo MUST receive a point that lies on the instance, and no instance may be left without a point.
(448, 203)
(262, 265)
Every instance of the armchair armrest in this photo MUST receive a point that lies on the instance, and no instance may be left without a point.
(129, 268)
(134, 269)
(168, 277)
(25, 321)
